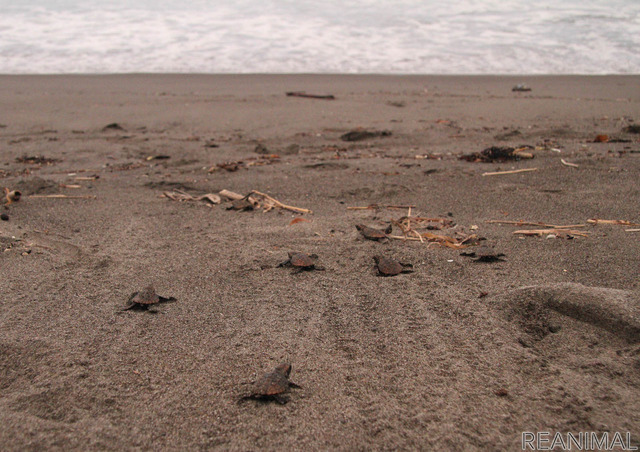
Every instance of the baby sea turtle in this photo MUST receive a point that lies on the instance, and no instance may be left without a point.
(484, 253)
(273, 385)
(147, 297)
(390, 267)
(301, 261)
(374, 234)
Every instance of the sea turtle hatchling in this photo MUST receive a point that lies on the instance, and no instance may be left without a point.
(374, 234)
(301, 261)
(147, 297)
(273, 385)
(484, 253)
(390, 267)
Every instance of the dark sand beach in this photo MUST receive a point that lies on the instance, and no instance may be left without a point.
(457, 355)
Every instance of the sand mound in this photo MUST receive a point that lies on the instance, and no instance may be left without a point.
(533, 307)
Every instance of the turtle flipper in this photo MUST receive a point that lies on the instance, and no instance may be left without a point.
(166, 300)
(293, 385)
(282, 400)
(406, 268)
(130, 303)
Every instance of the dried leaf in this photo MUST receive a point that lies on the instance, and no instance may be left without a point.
(298, 220)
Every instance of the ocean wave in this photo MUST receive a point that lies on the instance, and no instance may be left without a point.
(372, 36)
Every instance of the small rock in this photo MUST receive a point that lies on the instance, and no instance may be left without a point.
(4, 217)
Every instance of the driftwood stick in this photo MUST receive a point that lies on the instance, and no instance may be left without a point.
(565, 163)
(540, 232)
(381, 206)
(310, 96)
(499, 173)
(530, 223)
(62, 196)
(622, 222)
(279, 204)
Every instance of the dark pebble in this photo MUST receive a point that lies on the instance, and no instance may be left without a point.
(4, 217)
(554, 328)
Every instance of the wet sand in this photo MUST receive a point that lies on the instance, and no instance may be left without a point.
(458, 355)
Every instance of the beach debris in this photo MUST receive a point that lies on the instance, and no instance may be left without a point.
(398, 103)
(632, 230)
(263, 201)
(378, 235)
(310, 96)
(4, 217)
(61, 196)
(563, 233)
(502, 392)
(301, 261)
(619, 222)
(500, 173)
(390, 267)
(532, 223)
(499, 154)
(359, 135)
(86, 178)
(113, 126)
(327, 166)
(633, 128)
(11, 196)
(608, 139)
(381, 206)
(158, 157)
(241, 205)
(411, 229)
(298, 220)
(484, 253)
(521, 87)
(145, 298)
(273, 385)
(36, 160)
(179, 195)
(573, 165)
(246, 163)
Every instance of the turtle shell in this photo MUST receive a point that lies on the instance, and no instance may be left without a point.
(388, 267)
(275, 382)
(146, 296)
(372, 233)
(302, 260)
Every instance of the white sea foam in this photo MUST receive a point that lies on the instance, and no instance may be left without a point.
(345, 36)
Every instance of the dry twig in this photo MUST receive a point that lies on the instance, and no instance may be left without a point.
(529, 223)
(499, 173)
(621, 222)
(573, 165)
(63, 196)
(556, 231)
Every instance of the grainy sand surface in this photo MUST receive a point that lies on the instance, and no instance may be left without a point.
(458, 355)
